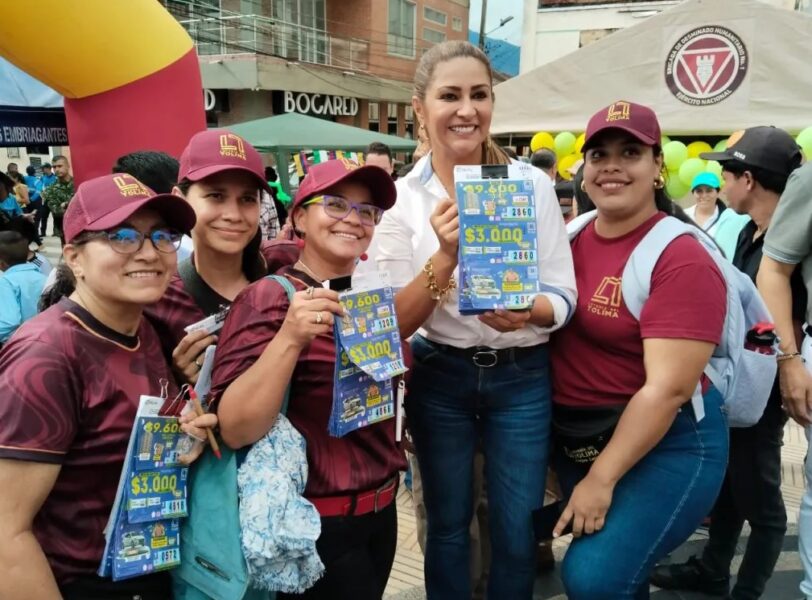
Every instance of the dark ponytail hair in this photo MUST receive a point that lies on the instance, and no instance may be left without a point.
(64, 285)
(663, 200)
(254, 266)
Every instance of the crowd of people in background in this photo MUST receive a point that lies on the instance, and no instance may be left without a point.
(578, 399)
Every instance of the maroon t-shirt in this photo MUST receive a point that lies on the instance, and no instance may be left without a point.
(597, 359)
(69, 391)
(360, 461)
(178, 309)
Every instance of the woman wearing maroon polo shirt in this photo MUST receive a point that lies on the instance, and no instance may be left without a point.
(221, 176)
(659, 473)
(268, 343)
(70, 381)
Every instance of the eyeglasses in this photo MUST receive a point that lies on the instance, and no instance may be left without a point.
(339, 208)
(128, 240)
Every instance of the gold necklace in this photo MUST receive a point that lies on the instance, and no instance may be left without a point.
(309, 271)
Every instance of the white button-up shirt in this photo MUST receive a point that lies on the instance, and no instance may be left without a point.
(404, 241)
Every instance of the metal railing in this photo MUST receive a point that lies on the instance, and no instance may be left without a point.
(255, 34)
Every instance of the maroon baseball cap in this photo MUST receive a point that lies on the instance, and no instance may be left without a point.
(325, 175)
(635, 119)
(216, 150)
(107, 201)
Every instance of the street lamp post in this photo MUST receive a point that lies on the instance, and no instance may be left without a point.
(483, 35)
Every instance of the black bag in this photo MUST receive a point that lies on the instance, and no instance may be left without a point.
(581, 434)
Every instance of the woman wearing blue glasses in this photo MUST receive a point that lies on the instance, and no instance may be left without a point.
(70, 379)
(352, 480)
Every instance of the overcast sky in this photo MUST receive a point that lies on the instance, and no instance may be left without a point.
(498, 10)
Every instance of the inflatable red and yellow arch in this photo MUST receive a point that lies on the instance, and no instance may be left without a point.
(127, 69)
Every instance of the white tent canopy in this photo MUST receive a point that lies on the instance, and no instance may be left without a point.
(734, 63)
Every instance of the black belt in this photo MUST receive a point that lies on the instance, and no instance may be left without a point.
(485, 357)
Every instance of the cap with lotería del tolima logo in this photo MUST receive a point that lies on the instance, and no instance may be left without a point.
(216, 150)
(108, 201)
(635, 119)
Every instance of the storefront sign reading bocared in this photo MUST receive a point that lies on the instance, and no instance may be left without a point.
(320, 104)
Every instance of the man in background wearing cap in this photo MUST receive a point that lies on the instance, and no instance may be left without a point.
(787, 246)
(755, 167)
(46, 180)
(59, 195)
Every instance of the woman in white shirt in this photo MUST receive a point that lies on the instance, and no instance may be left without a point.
(476, 379)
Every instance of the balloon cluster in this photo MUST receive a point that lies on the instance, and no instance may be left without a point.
(682, 161)
(684, 164)
(566, 145)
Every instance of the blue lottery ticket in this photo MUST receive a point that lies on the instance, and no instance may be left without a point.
(142, 548)
(498, 253)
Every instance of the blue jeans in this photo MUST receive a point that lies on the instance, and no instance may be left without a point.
(656, 506)
(453, 405)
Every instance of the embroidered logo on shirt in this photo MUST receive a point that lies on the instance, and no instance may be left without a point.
(606, 300)
(232, 145)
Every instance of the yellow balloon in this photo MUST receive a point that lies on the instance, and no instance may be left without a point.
(697, 148)
(579, 143)
(542, 140)
(566, 163)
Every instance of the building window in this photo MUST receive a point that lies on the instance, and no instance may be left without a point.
(374, 117)
(300, 30)
(400, 39)
(13, 152)
(435, 16)
(409, 118)
(456, 23)
(392, 118)
(433, 36)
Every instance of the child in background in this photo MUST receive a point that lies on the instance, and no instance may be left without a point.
(20, 285)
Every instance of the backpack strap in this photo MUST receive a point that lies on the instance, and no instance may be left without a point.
(636, 281)
(577, 225)
(289, 290)
(209, 301)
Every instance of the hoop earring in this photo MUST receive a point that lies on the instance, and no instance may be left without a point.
(583, 187)
(659, 183)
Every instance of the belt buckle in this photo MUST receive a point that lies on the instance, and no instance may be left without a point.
(485, 359)
(384, 488)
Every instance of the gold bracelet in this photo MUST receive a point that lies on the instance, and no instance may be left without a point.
(789, 355)
(440, 295)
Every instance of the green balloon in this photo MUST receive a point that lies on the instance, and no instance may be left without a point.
(720, 146)
(675, 153)
(676, 189)
(564, 143)
(690, 169)
(714, 167)
(804, 140)
(664, 140)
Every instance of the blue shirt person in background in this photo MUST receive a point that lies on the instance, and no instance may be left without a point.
(20, 284)
(8, 203)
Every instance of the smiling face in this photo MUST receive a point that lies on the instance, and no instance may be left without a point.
(227, 208)
(705, 196)
(113, 278)
(457, 109)
(619, 174)
(336, 242)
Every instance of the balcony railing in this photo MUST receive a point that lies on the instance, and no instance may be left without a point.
(254, 34)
